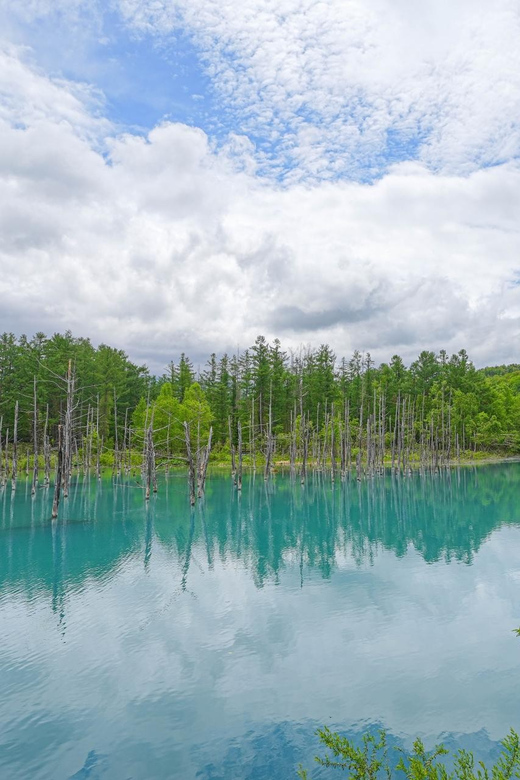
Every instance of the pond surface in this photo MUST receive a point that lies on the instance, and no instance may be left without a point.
(154, 642)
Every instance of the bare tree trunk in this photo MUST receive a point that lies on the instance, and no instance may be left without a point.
(35, 441)
(317, 454)
(100, 445)
(292, 450)
(151, 478)
(304, 433)
(59, 466)
(348, 435)
(232, 451)
(86, 440)
(2, 473)
(6, 467)
(67, 454)
(332, 446)
(360, 442)
(167, 445)
(269, 442)
(239, 470)
(128, 445)
(204, 465)
(117, 468)
(46, 450)
(252, 435)
(145, 439)
(15, 448)
(191, 463)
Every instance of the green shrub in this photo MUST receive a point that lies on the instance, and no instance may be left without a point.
(371, 760)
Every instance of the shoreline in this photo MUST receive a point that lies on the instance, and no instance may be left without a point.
(285, 464)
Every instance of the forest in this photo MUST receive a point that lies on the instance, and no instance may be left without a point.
(264, 405)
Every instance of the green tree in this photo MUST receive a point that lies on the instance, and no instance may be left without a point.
(196, 411)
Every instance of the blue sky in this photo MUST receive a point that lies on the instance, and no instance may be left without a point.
(181, 175)
(143, 80)
(147, 76)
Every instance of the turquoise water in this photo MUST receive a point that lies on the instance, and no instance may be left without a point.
(155, 642)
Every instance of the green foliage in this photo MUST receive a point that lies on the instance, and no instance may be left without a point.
(262, 384)
(99, 372)
(371, 761)
(167, 416)
(196, 411)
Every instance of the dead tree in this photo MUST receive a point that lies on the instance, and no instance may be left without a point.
(46, 450)
(6, 466)
(116, 469)
(304, 433)
(293, 445)
(269, 442)
(59, 468)
(150, 469)
(203, 467)
(126, 445)
(191, 464)
(86, 457)
(68, 431)
(15, 448)
(232, 452)
(252, 435)
(332, 446)
(239, 469)
(35, 441)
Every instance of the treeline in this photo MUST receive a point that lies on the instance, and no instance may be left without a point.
(274, 401)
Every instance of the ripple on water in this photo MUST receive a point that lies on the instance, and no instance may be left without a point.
(155, 642)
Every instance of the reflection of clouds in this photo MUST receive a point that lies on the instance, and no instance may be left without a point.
(382, 637)
(270, 751)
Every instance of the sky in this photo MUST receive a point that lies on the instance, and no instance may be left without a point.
(183, 175)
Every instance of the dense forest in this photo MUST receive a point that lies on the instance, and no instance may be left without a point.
(266, 403)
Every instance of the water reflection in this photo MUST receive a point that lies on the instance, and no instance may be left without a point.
(153, 641)
(443, 517)
(273, 752)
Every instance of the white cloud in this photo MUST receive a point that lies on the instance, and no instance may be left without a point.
(162, 244)
(28, 96)
(338, 88)
(327, 82)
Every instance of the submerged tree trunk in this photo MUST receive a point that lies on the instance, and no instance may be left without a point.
(59, 467)
(239, 469)
(203, 469)
(15, 448)
(232, 452)
(35, 442)
(151, 474)
(191, 464)
(304, 433)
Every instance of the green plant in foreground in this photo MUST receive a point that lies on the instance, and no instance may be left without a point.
(370, 761)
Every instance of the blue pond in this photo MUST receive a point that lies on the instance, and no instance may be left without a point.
(152, 642)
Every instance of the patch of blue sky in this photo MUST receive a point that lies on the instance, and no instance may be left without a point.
(403, 145)
(145, 79)
(146, 82)
(366, 160)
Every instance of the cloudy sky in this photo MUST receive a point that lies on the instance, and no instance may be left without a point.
(182, 175)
